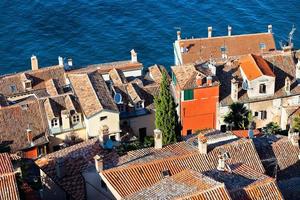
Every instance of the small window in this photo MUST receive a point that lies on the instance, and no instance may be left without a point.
(121, 107)
(262, 88)
(263, 114)
(223, 49)
(139, 105)
(75, 119)
(188, 95)
(103, 118)
(166, 173)
(28, 85)
(189, 132)
(13, 88)
(255, 114)
(262, 45)
(223, 128)
(54, 122)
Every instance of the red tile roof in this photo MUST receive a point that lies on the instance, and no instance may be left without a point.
(8, 182)
(244, 133)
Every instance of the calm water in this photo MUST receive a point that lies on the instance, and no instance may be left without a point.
(93, 31)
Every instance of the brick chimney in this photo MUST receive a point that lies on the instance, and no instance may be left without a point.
(234, 90)
(209, 32)
(178, 35)
(229, 30)
(60, 168)
(99, 163)
(202, 144)
(209, 80)
(269, 28)
(29, 135)
(34, 63)
(287, 85)
(133, 56)
(199, 80)
(157, 139)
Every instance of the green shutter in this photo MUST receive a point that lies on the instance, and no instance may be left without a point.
(174, 78)
(188, 95)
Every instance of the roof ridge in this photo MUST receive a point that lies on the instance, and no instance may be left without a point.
(93, 89)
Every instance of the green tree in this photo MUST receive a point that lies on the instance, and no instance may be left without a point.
(238, 117)
(165, 111)
(271, 128)
(296, 124)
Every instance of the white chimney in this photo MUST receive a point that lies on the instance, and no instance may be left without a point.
(99, 163)
(70, 62)
(157, 139)
(104, 134)
(60, 61)
(298, 70)
(178, 35)
(202, 144)
(221, 163)
(270, 28)
(209, 80)
(65, 117)
(34, 63)
(287, 85)
(209, 29)
(234, 90)
(229, 30)
(60, 168)
(133, 56)
(212, 68)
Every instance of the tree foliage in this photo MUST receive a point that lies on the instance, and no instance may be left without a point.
(165, 111)
(296, 123)
(238, 117)
(271, 129)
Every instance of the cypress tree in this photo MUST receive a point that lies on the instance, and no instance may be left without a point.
(165, 111)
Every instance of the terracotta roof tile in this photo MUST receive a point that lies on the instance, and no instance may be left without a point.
(117, 77)
(245, 133)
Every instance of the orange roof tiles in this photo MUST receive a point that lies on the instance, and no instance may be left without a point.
(245, 134)
(203, 49)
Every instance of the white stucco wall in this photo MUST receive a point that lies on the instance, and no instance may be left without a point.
(253, 92)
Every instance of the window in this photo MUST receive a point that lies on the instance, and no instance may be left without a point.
(223, 128)
(54, 122)
(223, 49)
(188, 95)
(255, 114)
(262, 45)
(103, 118)
(13, 88)
(121, 107)
(263, 114)
(112, 137)
(262, 88)
(139, 105)
(189, 132)
(75, 119)
(28, 85)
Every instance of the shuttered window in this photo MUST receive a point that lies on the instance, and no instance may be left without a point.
(188, 95)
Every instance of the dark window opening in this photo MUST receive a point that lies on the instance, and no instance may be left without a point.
(255, 114)
(189, 132)
(103, 118)
(262, 88)
(223, 128)
(188, 95)
(263, 114)
(142, 134)
(166, 173)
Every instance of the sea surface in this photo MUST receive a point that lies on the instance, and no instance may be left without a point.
(91, 31)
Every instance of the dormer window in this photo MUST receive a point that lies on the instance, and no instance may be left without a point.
(75, 119)
(262, 88)
(54, 123)
(139, 105)
(262, 45)
(27, 85)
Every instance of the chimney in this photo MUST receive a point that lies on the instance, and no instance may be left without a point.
(104, 134)
(287, 85)
(157, 139)
(199, 80)
(294, 138)
(29, 136)
(298, 70)
(34, 63)
(70, 62)
(221, 163)
(99, 163)
(202, 144)
(229, 30)
(234, 90)
(212, 68)
(65, 117)
(209, 29)
(178, 35)
(60, 168)
(209, 80)
(133, 56)
(269, 28)
(60, 61)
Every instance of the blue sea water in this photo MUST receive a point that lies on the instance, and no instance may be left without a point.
(93, 31)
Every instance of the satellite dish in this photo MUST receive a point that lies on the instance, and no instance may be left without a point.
(118, 98)
(245, 85)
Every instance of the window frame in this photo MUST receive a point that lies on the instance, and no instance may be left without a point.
(75, 119)
(262, 88)
(54, 122)
(139, 105)
(103, 118)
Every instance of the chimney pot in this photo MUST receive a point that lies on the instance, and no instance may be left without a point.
(270, 28)
(34, 63)
(60, 61)
(70, 62)
(157, 139)
(99, 163)
(229, 30)
(209, 29)
(133, 56)
(178, 35)
(29, 136)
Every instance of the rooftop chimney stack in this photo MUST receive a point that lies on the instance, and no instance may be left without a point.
(178, 35)
(199, 80)
(133, 56)
(29, 136)
(298, 70)
(209, 29)
(229, 30)
(99, 163)
(287, 85)
(221, 163)
(70, 62)
(234, 90)
(157, 139)
(209, 80)
(60, 168)
(202, 144)
(270, 28)
(104, 134)
(60, 61)
(34, 63)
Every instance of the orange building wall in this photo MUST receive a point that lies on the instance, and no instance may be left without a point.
(200, 113)
(31, 153)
